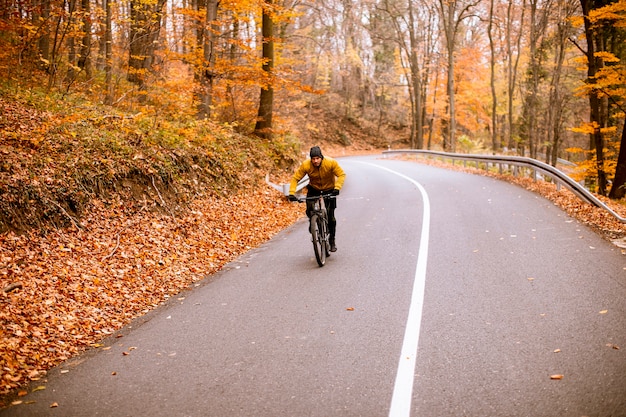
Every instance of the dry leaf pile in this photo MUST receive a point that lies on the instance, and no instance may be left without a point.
(65, 291)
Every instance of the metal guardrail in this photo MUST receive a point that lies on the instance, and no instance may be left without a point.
(284, 188)
(559, 177)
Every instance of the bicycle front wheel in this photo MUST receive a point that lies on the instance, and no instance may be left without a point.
(318, 240)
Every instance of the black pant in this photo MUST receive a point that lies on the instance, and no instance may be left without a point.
(331, 205)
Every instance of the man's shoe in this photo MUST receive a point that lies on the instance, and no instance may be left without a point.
(333, 247)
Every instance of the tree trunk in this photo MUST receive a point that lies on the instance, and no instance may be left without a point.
(451, 14)
(495, 144)
(618, 189)
(44, 39)
(145, 24)
(263, 128)
(512, 65)
(451, 137)
(209, 53)
(556, 99)
(534, 68)
(84, 60)
(448, 13)
(416, 75)
(595, 102)
(71, 45)
(102, 28)
(108, 54)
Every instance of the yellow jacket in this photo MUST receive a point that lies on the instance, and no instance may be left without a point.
(329, 175)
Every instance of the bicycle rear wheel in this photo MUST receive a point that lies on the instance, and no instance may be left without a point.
(325, 237)
(319, 246)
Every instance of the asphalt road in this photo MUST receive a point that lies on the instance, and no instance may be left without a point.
(450, 295)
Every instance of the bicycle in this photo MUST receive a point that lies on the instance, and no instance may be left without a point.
(318, 226)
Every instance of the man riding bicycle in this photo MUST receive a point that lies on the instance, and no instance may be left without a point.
(325, 178)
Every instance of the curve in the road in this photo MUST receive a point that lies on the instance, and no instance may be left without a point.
(405, 375)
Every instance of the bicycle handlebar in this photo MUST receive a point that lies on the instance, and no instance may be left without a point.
(303, 199)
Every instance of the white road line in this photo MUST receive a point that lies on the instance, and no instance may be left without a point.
(403, 388)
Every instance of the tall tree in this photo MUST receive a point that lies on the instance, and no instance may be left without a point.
(413, 28)
(71, 43)
(417, 107)
(263, 127)
(609, 19)
(401, 19)
(42, 14)
(532, 101)
(595, 37)
(84, 60)
(209, 48)
(495, 143)
(145, 25)
(452, 13)
(618, 190)
(108, 54)
(514, 35)
(561, 17)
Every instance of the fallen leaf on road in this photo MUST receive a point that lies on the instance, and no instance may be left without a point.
(556, 376)
(604, 311)
(54, 405)
(350, 308)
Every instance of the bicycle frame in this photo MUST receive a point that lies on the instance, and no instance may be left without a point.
(319, 206)
(318, 227)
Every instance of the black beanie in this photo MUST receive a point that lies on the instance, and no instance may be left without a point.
(316, 151)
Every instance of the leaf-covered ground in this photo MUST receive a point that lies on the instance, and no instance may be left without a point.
(76, 286)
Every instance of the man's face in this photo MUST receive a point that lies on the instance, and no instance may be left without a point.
(316, 161)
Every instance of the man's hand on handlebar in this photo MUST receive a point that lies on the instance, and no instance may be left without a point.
(292, 197)
(335, 192)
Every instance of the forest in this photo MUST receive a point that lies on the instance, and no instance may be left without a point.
(135, 135)
(541, 78)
